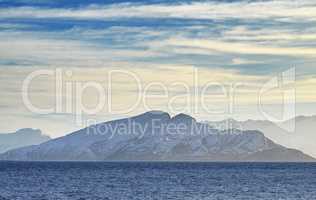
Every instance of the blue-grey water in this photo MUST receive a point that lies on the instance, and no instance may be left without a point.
(167, 181)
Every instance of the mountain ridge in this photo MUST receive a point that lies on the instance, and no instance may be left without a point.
(156, 136)
(296, 133)
(20, 138)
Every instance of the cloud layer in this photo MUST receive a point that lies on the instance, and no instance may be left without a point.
(228, 42)
(277, 10)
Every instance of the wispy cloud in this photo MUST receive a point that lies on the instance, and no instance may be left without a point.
(280, 10)
(239, 41)
(242, 47)
(66, 53)
(242, 61)
(275, 34)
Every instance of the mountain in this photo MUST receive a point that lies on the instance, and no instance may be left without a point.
(157, 136)
(297, 133)
(21, 138)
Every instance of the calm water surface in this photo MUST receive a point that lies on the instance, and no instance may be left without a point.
(167, 181)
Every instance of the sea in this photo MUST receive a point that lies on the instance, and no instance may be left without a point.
(157, 180)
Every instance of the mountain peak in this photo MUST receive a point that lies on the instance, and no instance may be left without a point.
(29, 131)
(183, 118)
(20, 138)
(154, 114)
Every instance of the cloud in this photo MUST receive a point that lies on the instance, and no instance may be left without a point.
(237, 42)
(274, 34)
(62, 52)
(242, 47)
(278, 10)
(241, 61)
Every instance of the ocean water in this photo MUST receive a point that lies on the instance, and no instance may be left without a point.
(166, 181)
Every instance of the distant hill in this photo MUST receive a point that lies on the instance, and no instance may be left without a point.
(155, 136)
(21, 138)
(297, 133)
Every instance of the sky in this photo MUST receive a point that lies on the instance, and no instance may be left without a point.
(83, 62)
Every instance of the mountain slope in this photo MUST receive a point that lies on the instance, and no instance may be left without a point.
(157, 136)
(22, 137)
(297, 133)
